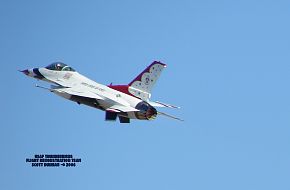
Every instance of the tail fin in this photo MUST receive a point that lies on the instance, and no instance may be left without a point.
(142, 85)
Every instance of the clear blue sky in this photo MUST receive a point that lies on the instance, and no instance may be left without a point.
(228, 68)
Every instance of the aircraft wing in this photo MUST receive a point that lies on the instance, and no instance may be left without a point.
(116, 106)
(121, 108)
(77, 92)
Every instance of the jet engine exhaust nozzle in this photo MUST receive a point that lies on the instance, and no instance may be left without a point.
(147, 112)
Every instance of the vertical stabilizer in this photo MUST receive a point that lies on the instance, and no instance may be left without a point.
(142, 85)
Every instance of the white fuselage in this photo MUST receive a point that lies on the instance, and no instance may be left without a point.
(76, 80)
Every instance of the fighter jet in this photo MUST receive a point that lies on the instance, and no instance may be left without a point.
(126, 102)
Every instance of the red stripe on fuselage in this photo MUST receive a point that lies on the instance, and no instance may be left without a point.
(122, 88)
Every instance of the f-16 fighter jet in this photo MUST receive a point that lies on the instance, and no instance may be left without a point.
(123, 101)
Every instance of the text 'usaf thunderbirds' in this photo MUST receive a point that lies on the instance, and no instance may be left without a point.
(124, 101)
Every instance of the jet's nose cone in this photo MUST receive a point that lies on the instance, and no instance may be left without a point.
(34, 73)
(26, 72)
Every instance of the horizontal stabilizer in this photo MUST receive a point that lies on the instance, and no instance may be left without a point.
(160, 104)
(170, 116)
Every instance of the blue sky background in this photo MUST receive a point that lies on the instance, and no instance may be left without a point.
(228, 68)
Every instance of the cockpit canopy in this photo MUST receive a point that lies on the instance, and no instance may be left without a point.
(59, 66)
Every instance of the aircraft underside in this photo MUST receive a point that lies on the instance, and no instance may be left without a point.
(146, 113)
